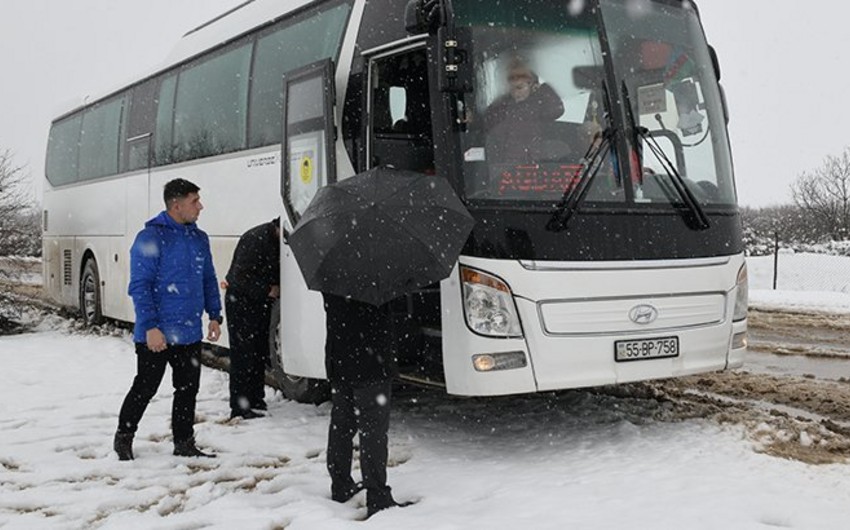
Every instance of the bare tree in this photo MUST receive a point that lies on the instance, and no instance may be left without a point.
(19, 227)
(19, 235)
(824, 195)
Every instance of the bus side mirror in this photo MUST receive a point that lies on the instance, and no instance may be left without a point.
(421, 16)
(588, 77)
(454, 72)
(714, 62)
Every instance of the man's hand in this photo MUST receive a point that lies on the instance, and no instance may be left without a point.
(274, 291)
(214, 331)
(155, 340)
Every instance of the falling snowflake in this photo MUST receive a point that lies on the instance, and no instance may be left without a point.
(575, 7)
(149, 249)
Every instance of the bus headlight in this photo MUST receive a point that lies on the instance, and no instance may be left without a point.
(488, 305)
(742, 295)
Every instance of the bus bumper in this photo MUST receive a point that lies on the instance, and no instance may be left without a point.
(572, 321)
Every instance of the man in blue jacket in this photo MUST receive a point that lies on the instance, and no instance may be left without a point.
(172, 282)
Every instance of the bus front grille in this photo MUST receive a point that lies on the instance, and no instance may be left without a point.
(619, 316)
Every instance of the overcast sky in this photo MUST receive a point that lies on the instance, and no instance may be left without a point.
(782, 65)
(55, 52)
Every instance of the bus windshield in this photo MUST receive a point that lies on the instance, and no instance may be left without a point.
(659, 52)
(537, 101)
(542, 91)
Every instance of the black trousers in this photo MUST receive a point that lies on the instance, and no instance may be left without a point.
(185, 361)
(248, 328)
(363, 409)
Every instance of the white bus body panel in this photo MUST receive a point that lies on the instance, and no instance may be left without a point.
(56, 268)
(79, 219)
(302, 322)
(572, 313)
(460, 344)
(106, 215)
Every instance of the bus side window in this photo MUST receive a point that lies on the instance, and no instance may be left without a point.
(308, 136)
(141, 122)
(401, 112)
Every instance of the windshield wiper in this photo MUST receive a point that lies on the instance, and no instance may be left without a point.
(581, 180)
(693, 214)
(579, 184)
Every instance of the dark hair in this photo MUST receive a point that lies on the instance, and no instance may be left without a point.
(177, 189)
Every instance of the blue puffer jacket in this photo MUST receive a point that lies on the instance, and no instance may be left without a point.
(172, 280)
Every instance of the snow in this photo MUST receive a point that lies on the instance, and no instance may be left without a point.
(807, 282)
(543, 461)
(577, 459)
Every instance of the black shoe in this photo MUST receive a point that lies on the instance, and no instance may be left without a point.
(372, 509)
(123, 445)
(347, 493)
(188, 448)
(246, 414)
(259, 405)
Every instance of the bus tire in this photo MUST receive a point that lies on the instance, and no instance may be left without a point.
(296, 388)
(90, 300)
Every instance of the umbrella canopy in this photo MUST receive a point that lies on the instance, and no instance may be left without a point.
(380, 234)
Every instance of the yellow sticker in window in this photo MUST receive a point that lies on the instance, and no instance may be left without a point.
(306, 169)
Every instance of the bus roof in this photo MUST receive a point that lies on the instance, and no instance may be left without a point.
(229, 25)
(216, 32)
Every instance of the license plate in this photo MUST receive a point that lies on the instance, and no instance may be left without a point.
(637, 350)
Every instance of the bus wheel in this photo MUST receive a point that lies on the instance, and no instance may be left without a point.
(90, 303)
(300, 389)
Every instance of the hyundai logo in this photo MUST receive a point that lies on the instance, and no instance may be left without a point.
(643, 314)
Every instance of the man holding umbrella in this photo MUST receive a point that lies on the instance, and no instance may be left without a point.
(360, 364)
(363, 242)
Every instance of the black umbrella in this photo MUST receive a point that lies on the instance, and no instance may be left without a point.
(380, 234)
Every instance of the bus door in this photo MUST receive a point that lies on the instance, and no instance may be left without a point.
(400, 111)
(400, 135)
(307, 163)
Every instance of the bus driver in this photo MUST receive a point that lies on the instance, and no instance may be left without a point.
(515, 122)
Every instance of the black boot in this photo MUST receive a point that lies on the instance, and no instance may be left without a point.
(381, 499)
(246, 414)
(347, 492)
(188, 448)
(372, 509)
(123, 445)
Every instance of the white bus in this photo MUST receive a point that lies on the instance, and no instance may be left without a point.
(608, 251)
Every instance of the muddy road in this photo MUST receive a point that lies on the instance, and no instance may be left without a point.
(811, 334)
(792, 396)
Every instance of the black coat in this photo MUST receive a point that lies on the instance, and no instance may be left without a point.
(359, 348)
(256, 264)
(516, 130)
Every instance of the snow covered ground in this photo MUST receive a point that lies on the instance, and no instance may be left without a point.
(572, 460)
(807, 282)
(578, 459)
